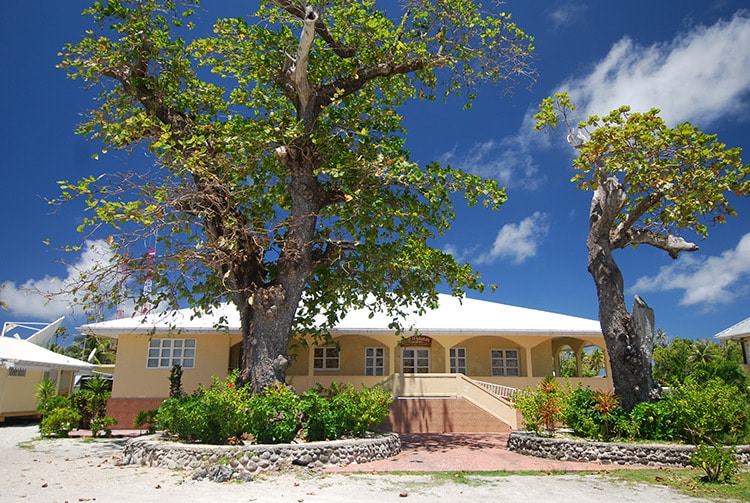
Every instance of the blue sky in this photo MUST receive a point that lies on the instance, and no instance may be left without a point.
(689, 58)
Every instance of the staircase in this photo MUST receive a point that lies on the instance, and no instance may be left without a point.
(438, 403)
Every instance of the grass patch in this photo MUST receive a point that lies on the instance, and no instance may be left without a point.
(684, 480)
(689, 481)
(27, 445)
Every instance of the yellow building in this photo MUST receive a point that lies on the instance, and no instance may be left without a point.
(456, 374)
(24, 363)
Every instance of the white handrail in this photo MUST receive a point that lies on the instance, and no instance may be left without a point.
(498, 389)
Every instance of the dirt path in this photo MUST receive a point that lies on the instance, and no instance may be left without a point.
(74, 470)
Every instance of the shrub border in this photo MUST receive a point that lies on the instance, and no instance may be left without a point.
(155, 451)
(567, 449)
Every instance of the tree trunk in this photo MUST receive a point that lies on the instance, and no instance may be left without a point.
(629, 361)
(268, 315)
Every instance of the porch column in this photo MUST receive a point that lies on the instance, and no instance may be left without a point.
(529, 366)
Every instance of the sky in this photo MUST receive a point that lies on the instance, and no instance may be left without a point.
(689, 58)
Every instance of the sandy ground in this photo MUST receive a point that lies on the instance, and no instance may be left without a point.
(73, 470)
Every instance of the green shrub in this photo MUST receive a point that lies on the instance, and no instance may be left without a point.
(579, 413)
(654, 420)
(46, 393)
(712, 410)
(595, 414)
(147, 419)
(216, 414)
(541, 408)
(342, 410)
(321, 420)
(82, 401)
(104, 424)
(59, 422)
(275, 416)
(210, 415)
(718, 463)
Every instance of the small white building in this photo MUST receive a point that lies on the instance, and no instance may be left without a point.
(739, 332)
(24, 363)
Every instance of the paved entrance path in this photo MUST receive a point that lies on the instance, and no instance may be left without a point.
(432, 452)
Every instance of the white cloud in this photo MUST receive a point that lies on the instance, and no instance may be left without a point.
(714, 280)
(566, 14)
(518, 242)
(700, 76)
(510, 161)
(31, 298)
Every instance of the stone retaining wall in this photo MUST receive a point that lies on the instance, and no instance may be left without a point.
(565, 449)
(250, 459)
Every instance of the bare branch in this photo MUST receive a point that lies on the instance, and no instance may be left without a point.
(667, 242)
(300, 11)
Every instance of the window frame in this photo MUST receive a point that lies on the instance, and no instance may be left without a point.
(377, 353)
(416, 357)
(165, 349)
(502, 370)
(454, 359)
(326, 358)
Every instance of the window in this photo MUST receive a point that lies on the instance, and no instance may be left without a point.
(415, 361)
(458, 360)
(504, 362)
(166, 353)
(326, 359)
(374, 361)
(16, 372)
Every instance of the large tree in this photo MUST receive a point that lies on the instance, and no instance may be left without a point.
(281, 179)
(650, 183)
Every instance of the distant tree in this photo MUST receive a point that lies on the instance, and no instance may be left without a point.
(593, 363)
(649, 183)
(700, 360)
(281, 175)
(92, 349)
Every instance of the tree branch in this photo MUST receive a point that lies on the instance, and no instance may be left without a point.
(300, 11)
(298, 72)
(620, 235)
(667, 242)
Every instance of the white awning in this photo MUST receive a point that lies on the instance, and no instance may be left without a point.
(20, 353)
(741, 329)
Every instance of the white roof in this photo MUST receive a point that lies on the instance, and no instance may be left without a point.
(741, 329)
(22, 353)
(453, 316)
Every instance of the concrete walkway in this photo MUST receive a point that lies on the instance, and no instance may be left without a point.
(431, 452)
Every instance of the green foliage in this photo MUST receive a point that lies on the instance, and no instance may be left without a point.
(83, 409)
(654, 420)
(224, 411)
(103, 423)
(711, 411)
(673, 177)
(700, 359)
(210, 415)
(718, 463)
(275, 416)
(46, 394)
(250, 153)
(59, 422)
(82, 400)
(593, 414)
(342, 410)
(146, 418)
(542, 407)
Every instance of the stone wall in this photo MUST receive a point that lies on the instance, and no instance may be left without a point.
(566, 449)
(250, 459)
